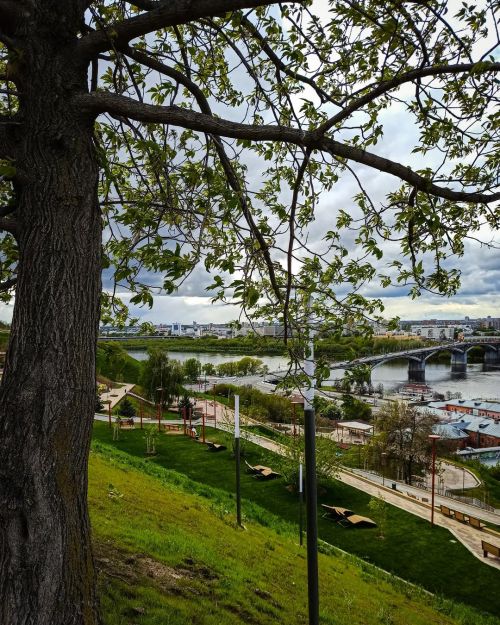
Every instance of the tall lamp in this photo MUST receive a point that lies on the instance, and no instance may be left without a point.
(433, 438)
(383, 456)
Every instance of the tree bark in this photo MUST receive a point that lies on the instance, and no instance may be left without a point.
(48, 390)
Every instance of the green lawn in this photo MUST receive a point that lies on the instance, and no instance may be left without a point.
(168, 553)
(411, 550)
(149, 411)
(268, 432)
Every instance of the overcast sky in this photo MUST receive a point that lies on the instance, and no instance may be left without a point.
(480, 266)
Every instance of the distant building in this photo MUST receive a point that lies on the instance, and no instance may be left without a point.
(480, 432)
(275, 329)
(435, 333)
(474, 407)
(477, 420)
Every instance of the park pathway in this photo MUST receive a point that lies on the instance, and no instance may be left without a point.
(115, 395)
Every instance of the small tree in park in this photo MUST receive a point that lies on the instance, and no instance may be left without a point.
(378, 509)
(150, 436)
(126, 409)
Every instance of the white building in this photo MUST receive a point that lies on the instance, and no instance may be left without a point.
(435, 333)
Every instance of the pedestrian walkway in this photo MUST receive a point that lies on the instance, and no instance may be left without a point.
(115, 395)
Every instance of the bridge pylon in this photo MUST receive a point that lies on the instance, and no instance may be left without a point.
(459, 361)
(491, 358)
(416, 369)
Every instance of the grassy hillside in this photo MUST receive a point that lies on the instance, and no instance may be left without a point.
(168, 551)
(431, 558)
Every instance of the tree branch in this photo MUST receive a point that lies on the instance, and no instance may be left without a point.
(9, 225)
(8, 209)
(96, 103)
(167, 13)
(7, 285)
(397, 81)
(280, 65)
(229, 170)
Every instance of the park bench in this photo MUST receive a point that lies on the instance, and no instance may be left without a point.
(411, 495)
(489, 548)
(475, 522)
(446, 511)
(171, 426)
(336, 512)
(125, 424)
(254, 469)
(266, 474)
(460, 516)
(355, 520)
(215, 446)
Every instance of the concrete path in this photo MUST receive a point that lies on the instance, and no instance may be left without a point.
(115, 394)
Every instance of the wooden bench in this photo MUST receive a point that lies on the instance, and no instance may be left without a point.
(475, 522)
(411, 495)
(126, 424)
(336, 512)
(460, 516)
(171, 426)
(446, 511)
(489, 548)
(267, 474)
(215, 446)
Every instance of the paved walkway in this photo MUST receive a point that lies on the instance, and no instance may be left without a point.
(115, 394)
(372, 484)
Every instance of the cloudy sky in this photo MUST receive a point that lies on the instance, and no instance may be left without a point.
(480, 266)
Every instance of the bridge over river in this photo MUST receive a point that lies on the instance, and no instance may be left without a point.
(417, 358)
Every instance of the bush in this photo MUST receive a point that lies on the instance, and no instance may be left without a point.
(257, 404)
(126, 409)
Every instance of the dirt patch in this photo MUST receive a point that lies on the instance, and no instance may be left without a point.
(135, 569)
(194, 570)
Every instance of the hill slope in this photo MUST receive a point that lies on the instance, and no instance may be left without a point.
(166, 555)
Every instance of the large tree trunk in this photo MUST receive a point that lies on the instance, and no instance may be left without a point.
(48, 390)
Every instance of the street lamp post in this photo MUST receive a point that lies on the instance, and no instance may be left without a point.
(237, 454)
(383, 456)
(433, 438)
(301, 500)
(311, 485)
(108, 401)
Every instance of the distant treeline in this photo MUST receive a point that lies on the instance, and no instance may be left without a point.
(257, 345)
(334, 348)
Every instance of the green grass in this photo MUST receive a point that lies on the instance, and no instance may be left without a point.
(266, 431)
(411, 550)
(168, 552)
(149, 411)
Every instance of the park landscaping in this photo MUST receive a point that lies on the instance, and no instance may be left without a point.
(168, 551)
(410, 549)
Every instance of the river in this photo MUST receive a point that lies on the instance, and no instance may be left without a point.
(474, 383)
